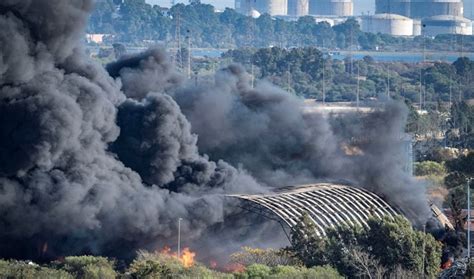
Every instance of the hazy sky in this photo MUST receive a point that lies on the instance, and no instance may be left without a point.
(359, 5)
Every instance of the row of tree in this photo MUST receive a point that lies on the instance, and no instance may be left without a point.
(309, 73)
(387, 248)
(135, 21)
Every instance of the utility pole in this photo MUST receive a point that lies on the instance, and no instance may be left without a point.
(178, 39)
(358, 86)
(424, 256)
(179, 237)
(450, 90)
(388, 80)
(421, 90)
(324, 77)
(350, 49)
(289, 79)
(469, 218)
(324, 82)
(252, 78)
(188, 37)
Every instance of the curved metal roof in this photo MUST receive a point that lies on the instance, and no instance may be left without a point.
(328, 205)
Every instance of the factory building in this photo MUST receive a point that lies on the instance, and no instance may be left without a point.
(331, 7)
(271, 7)
(298, 8)
(392, 24)
(446, 24)
(420, 8)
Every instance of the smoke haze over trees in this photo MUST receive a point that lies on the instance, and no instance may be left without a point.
(103, 161)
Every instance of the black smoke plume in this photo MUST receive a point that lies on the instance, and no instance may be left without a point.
(105, 162)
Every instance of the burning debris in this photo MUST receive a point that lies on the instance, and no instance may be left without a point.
(105, 162)
(186, 257)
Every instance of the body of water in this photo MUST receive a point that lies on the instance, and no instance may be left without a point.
(410, 57)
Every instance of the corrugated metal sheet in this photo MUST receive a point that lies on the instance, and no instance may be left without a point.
(328, 205)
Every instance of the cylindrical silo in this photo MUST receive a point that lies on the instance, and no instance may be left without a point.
(446, 24)
(298, 7)
(399, 7)
(271, 7)
(428, 8)
(416, 27)
(331, 7)
(392, 24)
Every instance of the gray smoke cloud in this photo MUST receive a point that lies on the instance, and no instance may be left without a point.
(96, 161)
(265, 130)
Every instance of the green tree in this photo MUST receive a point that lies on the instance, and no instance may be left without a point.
(28, 270)
(88, 267)
(429, 168)
(306, 244)
(258, 271)
(385, 247)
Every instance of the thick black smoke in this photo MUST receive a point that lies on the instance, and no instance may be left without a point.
(106, 162)
(60, 183)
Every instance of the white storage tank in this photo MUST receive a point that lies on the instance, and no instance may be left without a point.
(392, 24)
(446, 24)
(416, 27)
(271, 7)
(298, 7)
(331, 7)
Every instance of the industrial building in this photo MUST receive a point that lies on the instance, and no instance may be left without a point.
(393, 17)
(429, 17)
(446, 24)
(328, 205)
(420, 8)
(298, 8)
(392, 24)
(331, 7)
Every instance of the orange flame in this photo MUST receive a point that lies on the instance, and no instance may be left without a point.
(186, 257)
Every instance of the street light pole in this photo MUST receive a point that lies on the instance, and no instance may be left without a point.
(179, 238)
(424, 249)
(468, 218)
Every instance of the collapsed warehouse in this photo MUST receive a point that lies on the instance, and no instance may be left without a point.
(328, 205)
